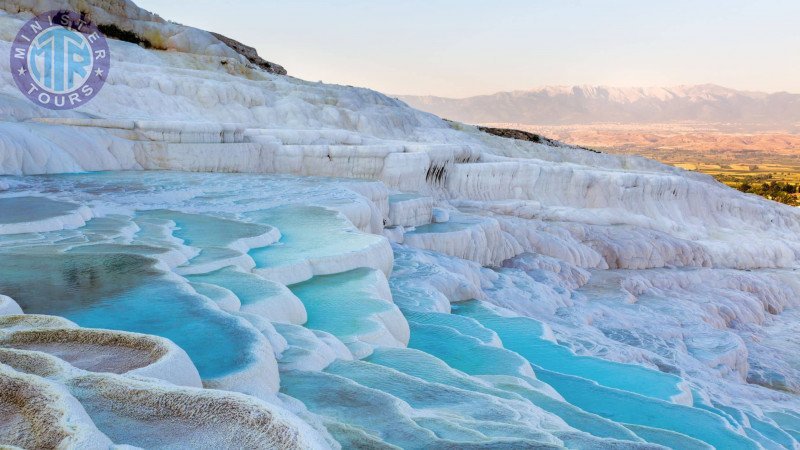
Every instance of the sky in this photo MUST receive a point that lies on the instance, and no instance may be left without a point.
(462, 48)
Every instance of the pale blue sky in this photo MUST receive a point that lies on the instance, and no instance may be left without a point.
(462, 48)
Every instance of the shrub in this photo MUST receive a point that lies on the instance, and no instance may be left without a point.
(114, 32)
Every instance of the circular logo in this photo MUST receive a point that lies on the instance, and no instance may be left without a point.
(60, 60)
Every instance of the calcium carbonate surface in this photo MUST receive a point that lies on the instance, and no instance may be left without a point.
(208, 255)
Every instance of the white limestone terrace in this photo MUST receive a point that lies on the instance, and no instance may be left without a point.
(69, 387)
(537, 295)
(346, 344)
(186, 110)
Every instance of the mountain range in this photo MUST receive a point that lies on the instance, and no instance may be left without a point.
(562, 105)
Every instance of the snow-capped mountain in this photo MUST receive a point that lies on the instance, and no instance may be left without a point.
(213, 255)
(597, 104)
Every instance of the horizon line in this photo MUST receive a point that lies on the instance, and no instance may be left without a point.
(584, 85)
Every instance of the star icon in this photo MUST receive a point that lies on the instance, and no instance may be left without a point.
(21, 71)
(99, 72)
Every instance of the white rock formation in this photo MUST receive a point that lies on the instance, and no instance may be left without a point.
(81, 388)
(540, 295)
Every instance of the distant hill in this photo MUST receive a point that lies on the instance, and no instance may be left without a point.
(561, 105)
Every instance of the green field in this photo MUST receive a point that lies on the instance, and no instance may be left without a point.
(777, 182)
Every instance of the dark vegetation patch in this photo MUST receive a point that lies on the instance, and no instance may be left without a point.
(114, 32)
(251, 54)
(514, 134)
(520, 135)
(774, 190)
